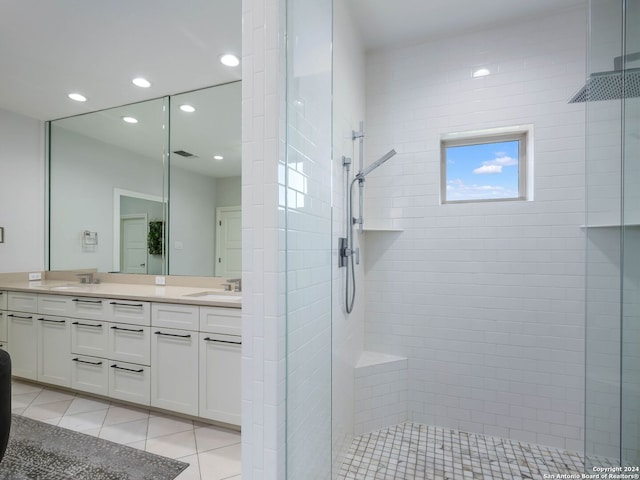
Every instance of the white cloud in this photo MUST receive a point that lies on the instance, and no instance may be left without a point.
(488, 169)
(458, 190)
(504, 160)
(495, 165)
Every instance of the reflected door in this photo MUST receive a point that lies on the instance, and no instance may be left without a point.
(134, 244)
(229, 242)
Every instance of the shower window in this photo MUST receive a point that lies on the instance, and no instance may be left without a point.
(484, 167)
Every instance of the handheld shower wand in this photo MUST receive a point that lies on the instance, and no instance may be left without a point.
(347, 252)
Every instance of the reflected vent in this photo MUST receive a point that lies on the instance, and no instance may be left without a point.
(184, 153)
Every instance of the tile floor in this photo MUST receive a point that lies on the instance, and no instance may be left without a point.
(213, 453)
(411, 451)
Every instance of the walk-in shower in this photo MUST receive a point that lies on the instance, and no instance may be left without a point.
(350, 256)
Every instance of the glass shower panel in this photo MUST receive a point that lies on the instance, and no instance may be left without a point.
(306, 197)
(603, 241)
(630, 406)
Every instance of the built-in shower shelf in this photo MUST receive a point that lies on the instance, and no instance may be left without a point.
(370, 229)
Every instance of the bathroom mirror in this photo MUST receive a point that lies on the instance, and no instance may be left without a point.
(139, 188)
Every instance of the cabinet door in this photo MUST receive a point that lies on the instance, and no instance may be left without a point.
(174, 370)
(22, 344)
(3, 300)
(58, 305)
(131, 312)
(3, 326)
(89, 337)
(91, 308)
(167, 315)
(89, 374)
(22, 302)
(129, 343)
(227, 321)
(220, 378)
(54, 341)
(130, 382)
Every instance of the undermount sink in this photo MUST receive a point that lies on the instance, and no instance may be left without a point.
(215, 296)
(77, 286)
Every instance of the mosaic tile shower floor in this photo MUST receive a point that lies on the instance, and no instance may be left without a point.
(412, 451)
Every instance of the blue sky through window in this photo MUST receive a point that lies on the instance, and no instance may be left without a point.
(482, 171)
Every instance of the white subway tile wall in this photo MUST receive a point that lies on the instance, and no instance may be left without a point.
(487, 299)
(263, 306)
(348, 329)
(381, 395)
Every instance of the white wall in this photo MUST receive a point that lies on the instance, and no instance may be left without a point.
(22, 183)
(486, 299)
(85, 172)
(348, 330)
(192, 230)
(228, 191)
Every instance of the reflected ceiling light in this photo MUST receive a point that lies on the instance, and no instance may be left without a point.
(141, 82)
(218, 157)
(187, 108)
(229, 60)
(130, 119)
(77, 97)
(481, 72)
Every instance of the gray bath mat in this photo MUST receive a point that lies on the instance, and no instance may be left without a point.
(39, 451)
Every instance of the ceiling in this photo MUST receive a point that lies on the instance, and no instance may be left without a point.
(385, 23)
(51, 48)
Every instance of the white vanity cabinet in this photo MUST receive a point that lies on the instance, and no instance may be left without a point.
(220, 353)
(53, 343)
(21, 337)
(177, 357)
(3, 320)
(174, 372)
(220, 377)
(89, 374)
(22, 334)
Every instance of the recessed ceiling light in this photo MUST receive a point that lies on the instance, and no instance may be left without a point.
(187, 108)
(130, 119)
(218, 157)
(77, 97)
(481, 72)
(229, 60)
(141, 82)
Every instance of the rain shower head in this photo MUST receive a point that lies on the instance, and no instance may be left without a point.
(616, 84)
(610, 86)
(375, 164)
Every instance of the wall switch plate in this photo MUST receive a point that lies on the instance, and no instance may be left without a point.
(35, 276)
(160, 280)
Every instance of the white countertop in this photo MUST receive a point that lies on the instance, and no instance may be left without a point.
(205, 296)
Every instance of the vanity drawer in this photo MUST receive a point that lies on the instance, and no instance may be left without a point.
(89, 337)
(130, 343)
(3, 326)
(132, 312)
(22, 302)
(221, 320)
(54, 305)
(89, 374)
(90, 308)
(168, 315)
(130, 382)
(3, 300)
